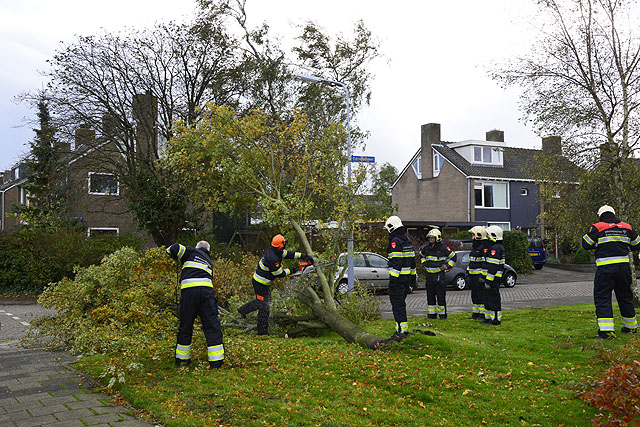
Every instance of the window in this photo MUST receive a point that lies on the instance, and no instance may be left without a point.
(438, 160)
(417, 167)
(491, 195)
(102, 231)
(103, 183)
(358, 260)
(377, 261)
(24, 196)
(486, 155)
(524, 191)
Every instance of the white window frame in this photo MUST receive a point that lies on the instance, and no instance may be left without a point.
(117, 193)
(417, 167)
(500, 224)
(117, 230)
(494, 155)
(438, 161)
(481, 184)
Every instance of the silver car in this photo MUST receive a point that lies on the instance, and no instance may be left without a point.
(368, 268)
(457, 276)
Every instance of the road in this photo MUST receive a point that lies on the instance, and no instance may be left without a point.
(544, 288)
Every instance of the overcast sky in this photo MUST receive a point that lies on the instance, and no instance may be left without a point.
(436, 53)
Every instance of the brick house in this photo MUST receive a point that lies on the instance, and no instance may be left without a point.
(456, 185)
(12, 192)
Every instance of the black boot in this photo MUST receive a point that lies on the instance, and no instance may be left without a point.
(443, 316)
(495, 322)
(486, 321)
(182, 362)
(604, 335)
(215, 364)
(432, 316)
(626, 330)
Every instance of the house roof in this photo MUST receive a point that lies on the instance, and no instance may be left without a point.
(517, 165)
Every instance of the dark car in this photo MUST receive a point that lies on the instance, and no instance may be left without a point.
(537, 252)
(457, 277)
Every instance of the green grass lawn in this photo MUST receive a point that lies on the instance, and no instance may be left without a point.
(526, 372)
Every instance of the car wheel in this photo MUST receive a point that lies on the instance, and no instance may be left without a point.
(538, 266)
(509, 280)
(343, 287)
(459, 282)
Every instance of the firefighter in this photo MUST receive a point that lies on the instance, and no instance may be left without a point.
(476, 259)
(436, 259)
(402, 271)
(270, 267)
(492, 270)
(197, 298)
(611, 239)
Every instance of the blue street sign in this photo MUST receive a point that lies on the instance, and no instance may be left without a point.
(363, 159)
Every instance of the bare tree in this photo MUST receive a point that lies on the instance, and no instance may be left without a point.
(131, 88)
(581, 81)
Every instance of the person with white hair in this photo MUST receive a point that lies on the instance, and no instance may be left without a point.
(197, 298)
(612, 239)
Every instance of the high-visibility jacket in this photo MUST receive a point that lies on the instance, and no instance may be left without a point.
(270, 266)
(402, 257)
(612, 241)
(196, 265)
(494, 262)
(433, 256)
(476, 256)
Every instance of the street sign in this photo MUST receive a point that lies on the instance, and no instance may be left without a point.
(363, 159)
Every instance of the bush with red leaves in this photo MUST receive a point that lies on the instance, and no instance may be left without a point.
(618, 396)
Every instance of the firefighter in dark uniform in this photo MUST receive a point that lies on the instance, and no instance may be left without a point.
(476, 259)
(402, 271)
(612, 239)
(492, 270)
(270, 267)
(436, 259)
(197, 298)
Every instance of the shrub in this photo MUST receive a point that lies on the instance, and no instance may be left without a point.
(33, 258)
(360, 304)
(618, 393)
(516, 246)
(582, 256)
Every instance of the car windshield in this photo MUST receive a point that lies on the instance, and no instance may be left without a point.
(535, 243)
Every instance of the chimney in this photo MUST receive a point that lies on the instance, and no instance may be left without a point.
(430, 134)
(145, 114)
(552, 145)
(109, 125)
(6, 176)
(495, 135)
(85, 135)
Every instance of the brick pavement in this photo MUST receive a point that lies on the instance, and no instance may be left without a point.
(39, 388)
(520, 296)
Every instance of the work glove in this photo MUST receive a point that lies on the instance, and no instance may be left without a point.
(444, 267)
(488, 284)
(308, 258)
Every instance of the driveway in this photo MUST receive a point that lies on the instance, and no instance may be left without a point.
(544, 288)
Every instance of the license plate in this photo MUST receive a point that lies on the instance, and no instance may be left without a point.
(533, 253)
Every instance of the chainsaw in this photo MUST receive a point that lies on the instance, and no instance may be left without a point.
(305, 267)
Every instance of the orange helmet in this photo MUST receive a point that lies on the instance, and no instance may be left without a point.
(278, 241)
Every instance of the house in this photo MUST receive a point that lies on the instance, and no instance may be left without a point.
(12, 192)
(456, 185)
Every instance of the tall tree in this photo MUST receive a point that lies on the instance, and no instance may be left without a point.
(131, 88)
(379, 205)
(46, 183)
(581, 81)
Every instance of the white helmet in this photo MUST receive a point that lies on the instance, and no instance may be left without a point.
(436, 234)
(392, 224)
(605, 208)
(494, 232)
(478, 232)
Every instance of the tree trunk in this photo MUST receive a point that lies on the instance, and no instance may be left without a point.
(346, 329)
(324, 283)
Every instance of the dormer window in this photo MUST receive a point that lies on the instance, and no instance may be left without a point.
(417, 167)
(488, 155)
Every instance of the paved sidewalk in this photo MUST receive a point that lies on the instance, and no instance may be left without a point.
(534, 295)
(39, 388)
